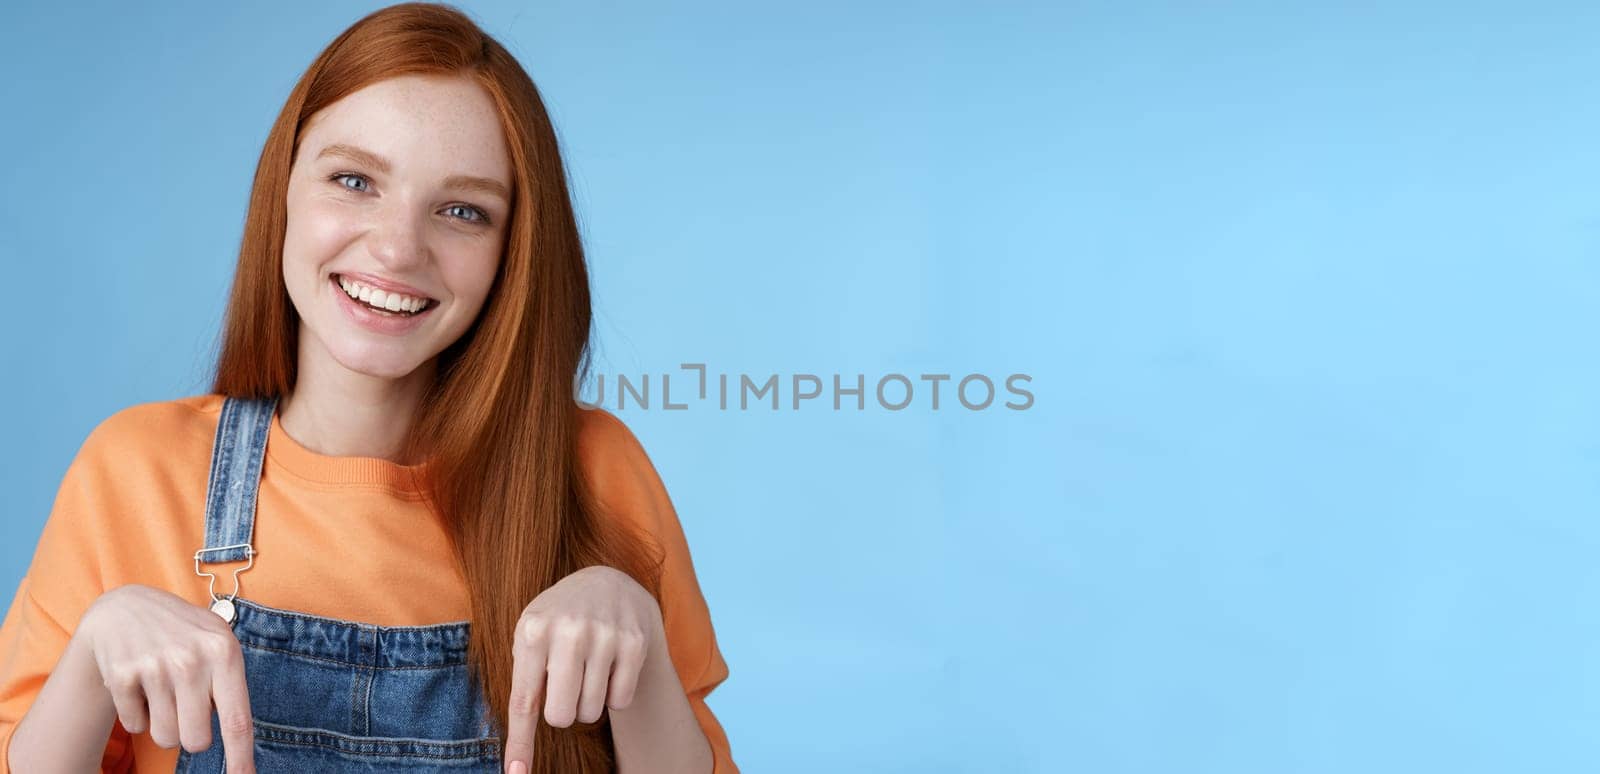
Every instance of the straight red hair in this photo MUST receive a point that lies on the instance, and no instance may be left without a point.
(499, 422)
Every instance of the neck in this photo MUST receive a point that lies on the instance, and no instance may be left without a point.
(337, 412)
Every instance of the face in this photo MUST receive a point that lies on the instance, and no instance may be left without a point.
(399, 194)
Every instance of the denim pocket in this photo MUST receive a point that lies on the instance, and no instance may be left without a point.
(281, 749)
(289, 749)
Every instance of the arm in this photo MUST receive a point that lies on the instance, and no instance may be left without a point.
(47, 677)
(629, 486)
(658, 731)
(67, 727)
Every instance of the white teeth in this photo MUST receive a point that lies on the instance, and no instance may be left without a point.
(394, 302)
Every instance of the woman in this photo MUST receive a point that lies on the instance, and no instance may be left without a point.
(392, 440)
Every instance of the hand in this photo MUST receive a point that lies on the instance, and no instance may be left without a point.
(151, 646)
(580, 646)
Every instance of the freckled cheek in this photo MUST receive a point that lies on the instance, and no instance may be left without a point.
(315, 237)
(479, 275)
(328, 226)
(473, 276)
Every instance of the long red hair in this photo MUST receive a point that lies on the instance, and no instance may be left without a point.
(499, 423)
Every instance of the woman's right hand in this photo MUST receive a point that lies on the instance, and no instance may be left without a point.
(165, 661)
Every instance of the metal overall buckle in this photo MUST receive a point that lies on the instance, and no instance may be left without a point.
(223, 606)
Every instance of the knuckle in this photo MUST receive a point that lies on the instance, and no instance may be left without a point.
(571, 626)
(146, 667)
(557, 717)
(130, 725)
(532, 630)
(200, 742)
(123, 677)
(522, 703)
(218, 647)
(235, 723)
(181, 660)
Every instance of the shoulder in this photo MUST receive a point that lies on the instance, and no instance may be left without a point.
(601, 432)
(124, 501)
(154, 430)
(607, 448)
(142, 453)
(186, 414)
(617, 468)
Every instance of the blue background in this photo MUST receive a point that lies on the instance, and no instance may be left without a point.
(1307, 293)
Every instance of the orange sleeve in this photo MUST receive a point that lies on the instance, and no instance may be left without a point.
(62, 581)
(627, 482)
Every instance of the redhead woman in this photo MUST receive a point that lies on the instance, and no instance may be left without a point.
(389, 538)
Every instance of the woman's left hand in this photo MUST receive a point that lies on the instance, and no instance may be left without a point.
(590, 633)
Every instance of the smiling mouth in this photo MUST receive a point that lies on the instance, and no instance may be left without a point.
(339, 283)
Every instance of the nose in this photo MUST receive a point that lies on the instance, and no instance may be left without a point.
(398, 240)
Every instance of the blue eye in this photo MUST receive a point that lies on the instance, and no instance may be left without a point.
(479, 216)
(336, 177)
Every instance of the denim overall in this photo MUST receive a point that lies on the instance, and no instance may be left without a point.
(330, 695)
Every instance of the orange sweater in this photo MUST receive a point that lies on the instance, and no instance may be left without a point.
(130, 510)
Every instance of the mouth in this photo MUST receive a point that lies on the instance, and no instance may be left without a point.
(364, 298)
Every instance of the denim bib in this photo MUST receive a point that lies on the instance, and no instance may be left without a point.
(326, 694)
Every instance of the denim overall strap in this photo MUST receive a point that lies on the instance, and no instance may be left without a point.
(236, 459)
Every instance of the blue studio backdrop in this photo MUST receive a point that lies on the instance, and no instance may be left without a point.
(1302, 296)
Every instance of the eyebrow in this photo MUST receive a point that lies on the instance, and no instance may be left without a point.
(457, 182)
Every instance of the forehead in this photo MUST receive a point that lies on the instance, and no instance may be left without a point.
(444, 124)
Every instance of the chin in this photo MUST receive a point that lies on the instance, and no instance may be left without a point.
(382, 365)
